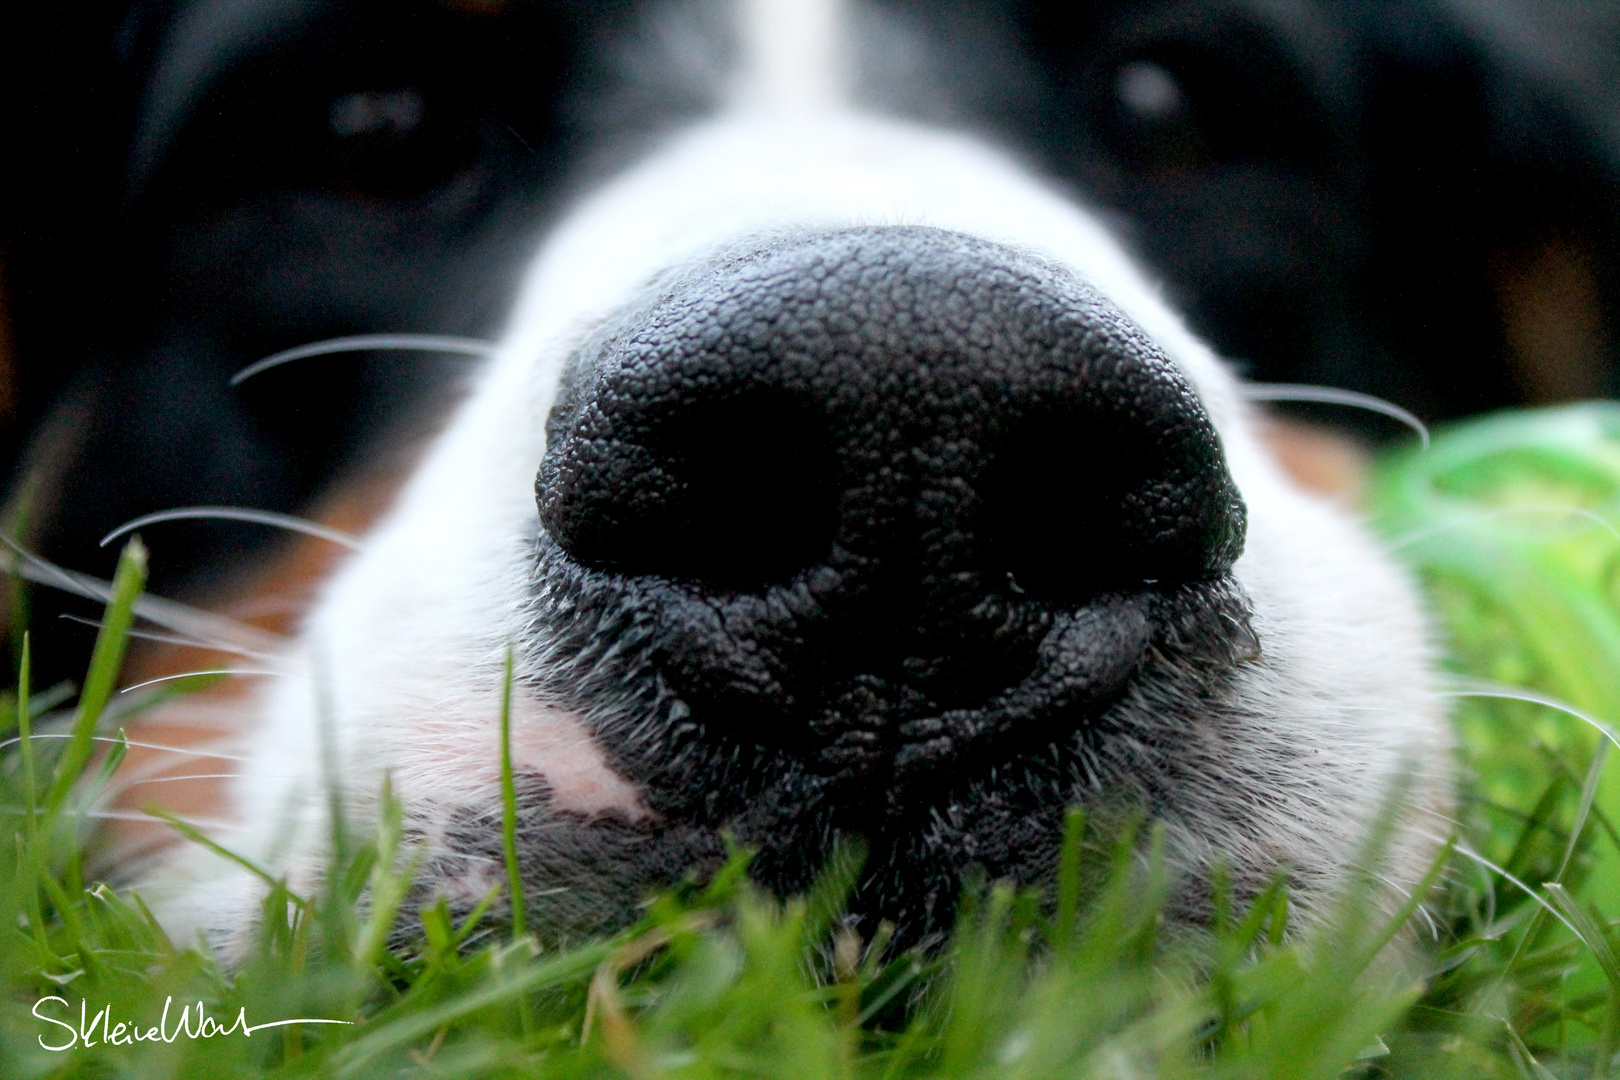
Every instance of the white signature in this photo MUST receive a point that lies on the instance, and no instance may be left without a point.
(125, 1033)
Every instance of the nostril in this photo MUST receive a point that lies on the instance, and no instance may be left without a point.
(758, 499)
(738, 494)
(1051, 512)
(1080, 503)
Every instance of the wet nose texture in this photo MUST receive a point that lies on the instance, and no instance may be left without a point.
(896, 503)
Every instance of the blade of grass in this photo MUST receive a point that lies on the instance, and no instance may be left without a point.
(514, 873)
(1589, 788)
(1068, 898)
(118, 750)
(830, 892)
(29, 885)
(25, 732)
(196, 835)
(101, 678)
(1261, 913)
(571, 966)
(390, 882)
(475, 916)
(1404, 913)
(17, 600)
(1597, 939)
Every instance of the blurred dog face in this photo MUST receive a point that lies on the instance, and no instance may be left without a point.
(835, 475)
(1414, 200)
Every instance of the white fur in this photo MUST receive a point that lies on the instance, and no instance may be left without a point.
(408, 638)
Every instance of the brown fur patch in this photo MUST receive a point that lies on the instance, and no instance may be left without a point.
(272, 597)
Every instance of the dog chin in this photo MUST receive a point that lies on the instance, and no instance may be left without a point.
(771, 378)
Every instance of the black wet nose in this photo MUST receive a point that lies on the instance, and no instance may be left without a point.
(886, 495)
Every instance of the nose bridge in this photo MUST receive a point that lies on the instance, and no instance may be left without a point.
(792, 56)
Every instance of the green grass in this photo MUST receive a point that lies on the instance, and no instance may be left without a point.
(717, 980)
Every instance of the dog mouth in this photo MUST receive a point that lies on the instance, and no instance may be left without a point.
(835, 530)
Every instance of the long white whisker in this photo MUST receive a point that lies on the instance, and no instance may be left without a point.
(1332, 395)
(1513, 693)
(436, 343)
(185, 619)
(1464, 849)
(1405, 893)
(191, 674)
(187, 751)
(1505, 511)
(43, 572)
(208, 824)
(237, 513)
(169, 614)
(173, 639)
(205, 776)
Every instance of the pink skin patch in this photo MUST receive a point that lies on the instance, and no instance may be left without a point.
(455, 758)
(473, 884)
(557, 745)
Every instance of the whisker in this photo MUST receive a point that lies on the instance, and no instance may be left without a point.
(1406, 894)
(1504, 511)
(1464, 849)
(237, 513)
(1332, 395)
(172, 639)
(207, 776)
(192, 674)
(169, 614)
(1513, 693)
(522, 141)
(209, 824)
(222, 631)
(436, 343)
(42, 703)
(187, 751)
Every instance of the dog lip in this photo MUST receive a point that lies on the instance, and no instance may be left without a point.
(873, 751)
(1083, 666)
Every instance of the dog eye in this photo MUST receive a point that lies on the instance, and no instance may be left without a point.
(1149, 92)
(393, 142)
(1158, 125)
(377, 114)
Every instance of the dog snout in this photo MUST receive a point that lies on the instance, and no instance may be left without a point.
(896, 502)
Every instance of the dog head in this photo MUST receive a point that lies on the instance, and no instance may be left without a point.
(1412, 199)
(835, 475)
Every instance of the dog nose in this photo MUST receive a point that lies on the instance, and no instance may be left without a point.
(885, 499)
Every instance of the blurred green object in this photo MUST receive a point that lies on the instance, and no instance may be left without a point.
(1509, 520)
